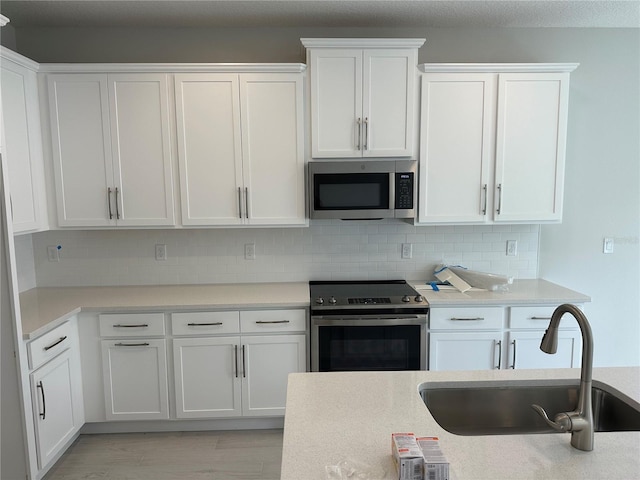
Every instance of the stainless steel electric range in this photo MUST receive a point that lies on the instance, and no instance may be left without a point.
(367, 325)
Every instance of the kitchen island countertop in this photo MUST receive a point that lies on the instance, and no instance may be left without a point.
(332, 417)
(43, 309)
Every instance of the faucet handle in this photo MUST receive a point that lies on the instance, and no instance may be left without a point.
(562, 421)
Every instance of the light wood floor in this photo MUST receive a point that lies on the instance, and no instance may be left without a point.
(233, 455)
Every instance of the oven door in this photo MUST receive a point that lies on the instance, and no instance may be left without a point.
(368, 344)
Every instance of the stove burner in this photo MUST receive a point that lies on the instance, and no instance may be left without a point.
(368, 301)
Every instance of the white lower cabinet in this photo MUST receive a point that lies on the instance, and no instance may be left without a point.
(484, 338)
(239, 375)
(56, 393)
(207, 378)
(135, 379)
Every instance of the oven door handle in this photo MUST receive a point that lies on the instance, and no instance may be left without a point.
(365, 317)
(358, 321)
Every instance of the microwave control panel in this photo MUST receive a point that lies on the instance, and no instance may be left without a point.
(404, 190)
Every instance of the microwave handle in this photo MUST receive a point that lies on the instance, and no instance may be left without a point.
(392, 190)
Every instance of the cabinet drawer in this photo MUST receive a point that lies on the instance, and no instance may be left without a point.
(537, 316)
(265, 321)
(210, 323)
(49, 345)
(466, 318)
(131, 324)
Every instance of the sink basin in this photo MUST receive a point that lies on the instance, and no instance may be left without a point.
(504, 408)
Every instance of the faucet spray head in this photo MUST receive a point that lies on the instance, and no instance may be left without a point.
(549, 343)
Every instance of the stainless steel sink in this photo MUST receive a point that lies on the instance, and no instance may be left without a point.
(504, 408)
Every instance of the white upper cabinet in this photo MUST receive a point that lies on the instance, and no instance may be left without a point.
(492, 143)
(530, 145)
(111, 149)
(362, 97)
(241, 148)
(22, 142)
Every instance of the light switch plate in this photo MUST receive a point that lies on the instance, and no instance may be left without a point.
(607, 245)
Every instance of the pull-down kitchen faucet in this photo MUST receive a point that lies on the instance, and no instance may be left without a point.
(580, 421)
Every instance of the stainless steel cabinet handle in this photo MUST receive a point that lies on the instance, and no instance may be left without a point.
(244, 364)
(272, 321)
(133, 325)
(109, 203)
(514, 355)
(246, 202)
(484, 205)
(239, 202)
(117, 206)
(203, 324)
(366, 133)
(498, 344)
(43, 414)
(499, 198)
(60, 340)
(359, 133)
(540, 318)
(235, 356)
(11, 205)
(141, 344)
(455, 319)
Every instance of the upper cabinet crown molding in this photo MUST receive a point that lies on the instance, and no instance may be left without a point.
(362, 42)
(10, 55)
(172, 67)
(3, 20)
(497, 67)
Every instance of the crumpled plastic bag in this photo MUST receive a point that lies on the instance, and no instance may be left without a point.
(349, 469)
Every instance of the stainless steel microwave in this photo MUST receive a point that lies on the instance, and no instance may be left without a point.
(372, 189)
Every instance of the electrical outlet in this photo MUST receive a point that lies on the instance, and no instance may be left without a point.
(161, 252)
(249, 251)
(407, 250)
(607, 245)
(512, 248)
(53, 253)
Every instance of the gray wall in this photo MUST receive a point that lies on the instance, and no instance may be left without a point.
(602, 194)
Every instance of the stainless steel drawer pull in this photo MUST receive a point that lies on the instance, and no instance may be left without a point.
(499, 347)
(143, 344)
(540, 318)
(244, 364)
(359, 133)
(484, 205)
(472, 319)
(272, 321)
(366, 133)
(43, 414)
(134, 325)
(203, 324)
(246, 202)
(235, 355)
(59, 341)
(499, 209)
(117, 206)
(514, 355)
(239, 202)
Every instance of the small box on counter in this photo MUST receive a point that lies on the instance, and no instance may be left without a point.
(407, 456)
(436, 466)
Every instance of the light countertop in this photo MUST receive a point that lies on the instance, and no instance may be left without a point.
(332, 417)
(521, 292)
(43, 309)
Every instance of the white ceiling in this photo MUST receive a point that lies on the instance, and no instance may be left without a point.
(322, 13)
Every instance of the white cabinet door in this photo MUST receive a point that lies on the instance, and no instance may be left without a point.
(139, 111)
(209, 148)
(388, 102)
(54, 406)
(336, 102)
(468, 350)
(111, 149)
(524, 350)
(267, 361)
(241, 148)
(207, 377)
(530, 146)
(22, 145)
(455, 149)
(135, 379)
(273, 150)
(362, 102)
(83, 170)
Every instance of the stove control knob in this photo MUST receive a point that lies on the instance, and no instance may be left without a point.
(319, 300)
(419, 298)
(406, 299)
(333, 300)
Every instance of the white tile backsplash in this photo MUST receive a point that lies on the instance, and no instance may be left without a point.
(330, 249)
